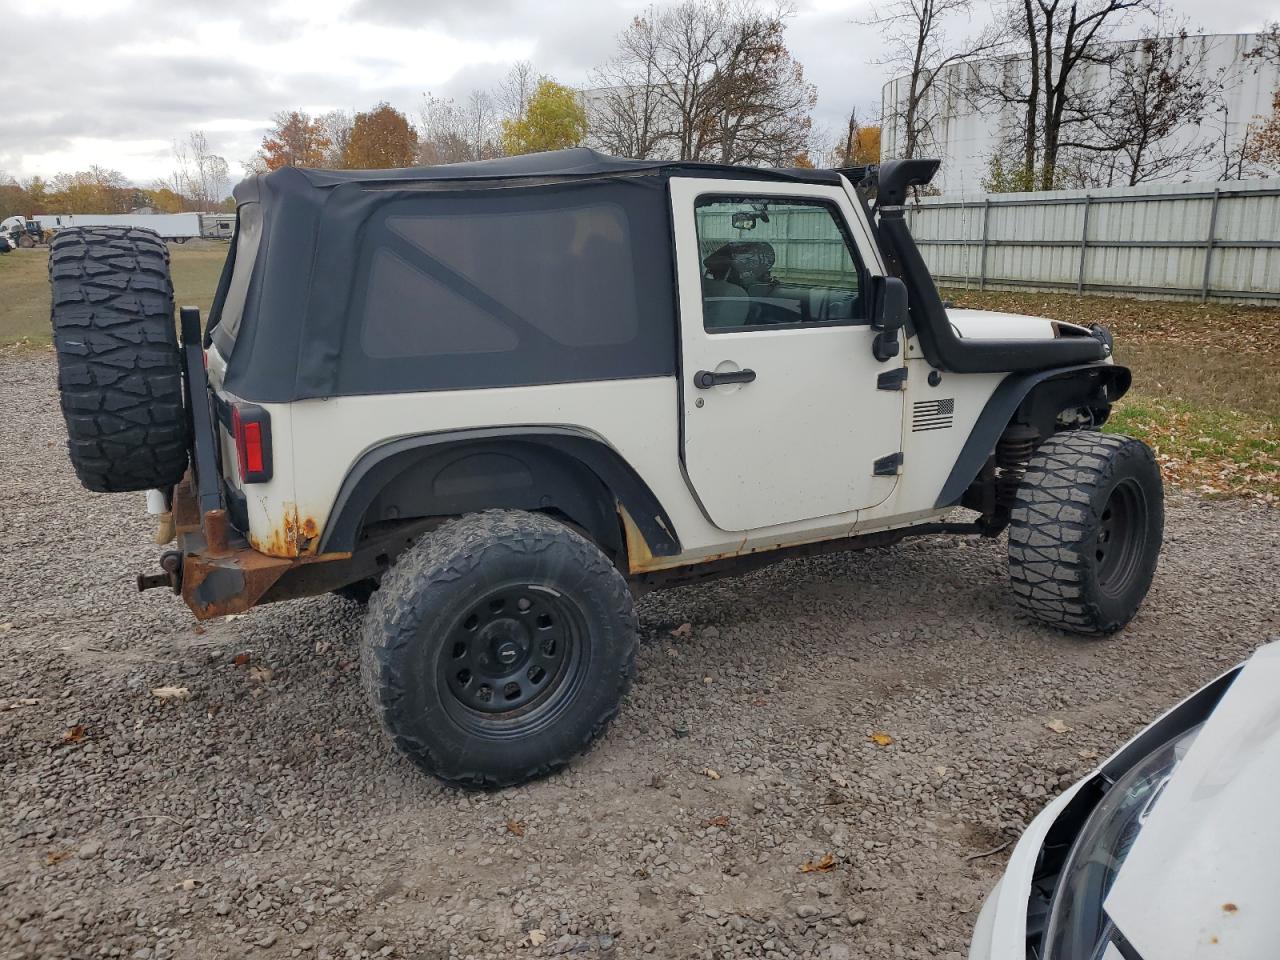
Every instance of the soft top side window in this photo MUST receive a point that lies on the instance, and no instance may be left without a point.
(772, 261)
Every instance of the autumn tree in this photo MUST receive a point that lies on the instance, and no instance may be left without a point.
(918, 42)
(1260, 143)
(13, 199)
(380, 138)
(554, 119)
(165, 200)
(296, 140)
(858, 145)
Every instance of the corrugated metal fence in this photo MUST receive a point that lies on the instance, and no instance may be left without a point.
(1218, 241)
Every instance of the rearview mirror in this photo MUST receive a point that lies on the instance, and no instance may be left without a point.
(888, 315)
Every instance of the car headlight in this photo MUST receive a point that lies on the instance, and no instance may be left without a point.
(1078, 928)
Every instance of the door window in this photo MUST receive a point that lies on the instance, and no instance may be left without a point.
(776, 261)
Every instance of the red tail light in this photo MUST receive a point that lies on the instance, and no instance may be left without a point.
(251, 428)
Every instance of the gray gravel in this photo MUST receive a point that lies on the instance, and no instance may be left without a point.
(264, 815)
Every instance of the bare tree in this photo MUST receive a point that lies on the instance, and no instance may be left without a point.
(199, 175)
(705, 80)
(453, 133)
(1158, 98)
(514, 91)
(1052, 85)
(337, 126)
(627, 113)
(915, 33)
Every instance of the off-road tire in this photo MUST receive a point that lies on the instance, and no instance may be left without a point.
(119, 373)
(1085, 531)
(425, 598)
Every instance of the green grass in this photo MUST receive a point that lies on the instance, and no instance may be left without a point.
(24, 287)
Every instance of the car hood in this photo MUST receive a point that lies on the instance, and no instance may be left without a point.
(1201, 879)
(993, 325)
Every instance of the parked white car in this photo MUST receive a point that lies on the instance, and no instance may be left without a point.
(1168, 851)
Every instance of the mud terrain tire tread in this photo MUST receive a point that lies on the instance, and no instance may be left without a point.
(119, 373)
(1054, 522)
(441, 562)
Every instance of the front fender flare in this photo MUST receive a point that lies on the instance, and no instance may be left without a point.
(1004, 403)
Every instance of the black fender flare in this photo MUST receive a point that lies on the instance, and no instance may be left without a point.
(1005, 402)
(380, 465)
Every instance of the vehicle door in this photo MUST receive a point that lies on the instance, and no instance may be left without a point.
(786, 414)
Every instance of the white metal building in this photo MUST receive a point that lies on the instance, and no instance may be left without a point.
(966, 136)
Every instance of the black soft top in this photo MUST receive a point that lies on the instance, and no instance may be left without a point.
(552, 166)
(545, 268)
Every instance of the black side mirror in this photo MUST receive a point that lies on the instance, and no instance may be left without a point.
(888, 315)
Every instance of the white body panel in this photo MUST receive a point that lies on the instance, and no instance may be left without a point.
(1209, 845)
(799, 443)
(782, 461)
(1202, 878)
(991, 325)
(169, 225)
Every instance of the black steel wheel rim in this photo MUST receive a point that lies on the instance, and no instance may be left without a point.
(512, 660)
(1122, 537)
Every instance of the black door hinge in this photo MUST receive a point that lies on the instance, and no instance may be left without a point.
(887, 466)
(895, 379)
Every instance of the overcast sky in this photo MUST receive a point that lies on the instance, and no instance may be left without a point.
(113, 82)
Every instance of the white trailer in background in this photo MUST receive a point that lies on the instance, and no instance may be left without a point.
(179, 227)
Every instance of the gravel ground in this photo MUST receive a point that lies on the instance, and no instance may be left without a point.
(264, 816)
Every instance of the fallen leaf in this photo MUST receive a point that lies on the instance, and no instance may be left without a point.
(720, 821)
(56, 856)
(516, 827)
(759, 702)
(261, 674)
(241, 659)
(711, 774)
(170, 693)
(828, 862)
(881, 739)
(684, 630)
(1057, 726)
(74, 735)
(1088, 754)
(536, 938)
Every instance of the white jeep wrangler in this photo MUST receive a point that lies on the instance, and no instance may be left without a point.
(535, 387)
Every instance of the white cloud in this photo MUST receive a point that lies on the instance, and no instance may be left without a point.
(132, 75)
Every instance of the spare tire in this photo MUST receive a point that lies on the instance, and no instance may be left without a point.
(119, 372)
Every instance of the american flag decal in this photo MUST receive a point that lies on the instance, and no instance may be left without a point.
(932, 414)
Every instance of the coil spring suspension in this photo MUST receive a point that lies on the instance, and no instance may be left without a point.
(1013, 450)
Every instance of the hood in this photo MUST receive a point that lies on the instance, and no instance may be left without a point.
(1201, 879)
(993, 325)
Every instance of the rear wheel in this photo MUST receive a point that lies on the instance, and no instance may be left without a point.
(1086, 530)
(498, 647)
(119, 374)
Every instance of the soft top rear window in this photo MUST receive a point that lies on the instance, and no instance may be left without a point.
(248, 237)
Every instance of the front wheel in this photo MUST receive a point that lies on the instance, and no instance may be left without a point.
(1085, 531)
(498, 647)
